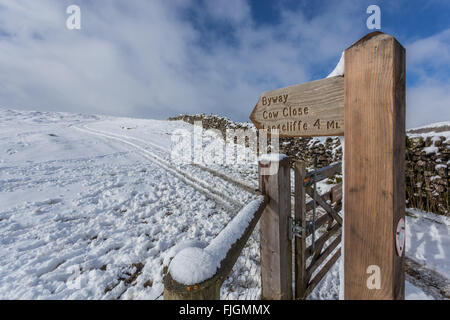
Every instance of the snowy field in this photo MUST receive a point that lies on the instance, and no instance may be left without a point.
(92, 207)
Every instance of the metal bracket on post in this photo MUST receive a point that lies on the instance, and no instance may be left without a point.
(295, 230)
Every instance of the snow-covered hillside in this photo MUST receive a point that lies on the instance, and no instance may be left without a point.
(92, 207)
(443, 126)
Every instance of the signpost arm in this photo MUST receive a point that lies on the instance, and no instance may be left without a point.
(374, 86)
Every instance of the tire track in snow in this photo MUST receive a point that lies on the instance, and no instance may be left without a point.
(194, 182)
(236, 183)
(239, 184)
(430, 281)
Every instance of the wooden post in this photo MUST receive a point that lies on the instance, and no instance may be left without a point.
(276, 248)
(374, 167)
(207, 290)
(210, 288)
(300, 242)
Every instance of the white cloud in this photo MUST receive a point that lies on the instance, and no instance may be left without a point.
(428, 103)
(146, 58)
(433, 50)
(428, 99)
(150, 58)
(232, 11)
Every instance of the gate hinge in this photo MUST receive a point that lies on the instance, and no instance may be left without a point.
(295, 230)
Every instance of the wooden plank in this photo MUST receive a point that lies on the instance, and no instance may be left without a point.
(338, 207)
(322, 256)
(276, 247)
(319, 222)
(323, 238)
(326, 196)
(374, 165)
(325, 206)
(336, 193)
(327, 171)
(210, 288)
(322, 173)
(314, 282)
(318, 248)
(300, 242)
(310, 109)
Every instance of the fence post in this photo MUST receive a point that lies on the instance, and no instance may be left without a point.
(209, 289)
(374, 168)
(276, 248)
(300, 242)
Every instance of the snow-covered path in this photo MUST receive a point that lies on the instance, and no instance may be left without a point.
(92, 207)
(190, 177)
(91, 216)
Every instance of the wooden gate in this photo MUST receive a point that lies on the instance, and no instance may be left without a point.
(371, 98)
(312, 252)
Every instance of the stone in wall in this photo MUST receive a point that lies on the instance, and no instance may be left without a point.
(427, 158)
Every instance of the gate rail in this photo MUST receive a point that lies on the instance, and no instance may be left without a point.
(209, 289)
(277, 230)
(309, 259)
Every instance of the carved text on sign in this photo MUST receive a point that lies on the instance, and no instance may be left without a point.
(272, 100)
(310, 109)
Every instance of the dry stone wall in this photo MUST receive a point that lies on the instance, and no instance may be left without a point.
(427, 158)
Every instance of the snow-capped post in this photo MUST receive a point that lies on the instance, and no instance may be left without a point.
(374, 168)
(198, 273)
(276, 247)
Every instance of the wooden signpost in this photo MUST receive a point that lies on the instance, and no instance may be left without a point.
(304, 110)
(374, 191)
(371, 97)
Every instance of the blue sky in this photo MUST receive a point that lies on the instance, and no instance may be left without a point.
(158, 58)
